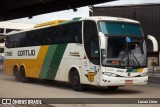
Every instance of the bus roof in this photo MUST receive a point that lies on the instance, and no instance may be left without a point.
(94, 18)
(50, 23)
(47, 25)
(109, 18)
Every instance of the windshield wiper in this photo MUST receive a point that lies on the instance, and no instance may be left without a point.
(134, 57)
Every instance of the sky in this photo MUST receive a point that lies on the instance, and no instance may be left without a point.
(81, 12)
(61, 15)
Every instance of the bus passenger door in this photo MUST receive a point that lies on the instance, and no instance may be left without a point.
(91, 46)
(90, 72)
(85, 70)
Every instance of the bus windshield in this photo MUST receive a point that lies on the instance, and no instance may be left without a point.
(120, 28)
(123, 53)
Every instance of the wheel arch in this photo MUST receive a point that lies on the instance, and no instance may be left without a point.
(22, 66)
(72, 69)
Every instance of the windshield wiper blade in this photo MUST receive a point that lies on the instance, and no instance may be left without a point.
(134, 57)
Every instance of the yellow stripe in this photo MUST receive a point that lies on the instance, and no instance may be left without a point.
(41, 55)
(42, 52)
(140, 70)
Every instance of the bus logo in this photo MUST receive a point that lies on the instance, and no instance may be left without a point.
(90, 76)
(74, 54)
(129, 74)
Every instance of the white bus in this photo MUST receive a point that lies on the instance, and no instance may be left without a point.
(100, 51)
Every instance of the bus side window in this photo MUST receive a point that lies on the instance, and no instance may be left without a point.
(77, 32)
(10, 42)
(74, 33)
(45, 37)
(27, 40)
(69, 35)
(91, 41)
(18, 38)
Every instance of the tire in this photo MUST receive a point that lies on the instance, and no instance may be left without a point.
(113, 88)
(23, 77)
(16, 74)
(75, 81)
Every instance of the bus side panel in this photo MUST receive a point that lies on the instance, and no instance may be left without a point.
(72, 56)
(75, 58)
(60, 76)
(53, 62)
(8, 66)
(76, 64)
(32, 64)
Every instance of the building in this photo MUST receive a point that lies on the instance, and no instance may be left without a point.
(6, 27)
(145, 11)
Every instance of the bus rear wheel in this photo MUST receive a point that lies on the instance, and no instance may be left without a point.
(75, 81)
(16, 74)
(23, 77)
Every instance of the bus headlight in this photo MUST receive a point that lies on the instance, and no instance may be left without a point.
(109, 74)
(144, 74)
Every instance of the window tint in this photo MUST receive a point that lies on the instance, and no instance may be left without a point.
(18, 40)
(91, 41)
(66, 33)
(9, 43)
(70, 33)
(119, 28)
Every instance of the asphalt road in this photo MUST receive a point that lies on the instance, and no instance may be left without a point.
(9, 88)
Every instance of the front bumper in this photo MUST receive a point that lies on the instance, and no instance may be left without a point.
(122, 81)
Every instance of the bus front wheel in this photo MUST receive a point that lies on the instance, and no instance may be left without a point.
(75, 81)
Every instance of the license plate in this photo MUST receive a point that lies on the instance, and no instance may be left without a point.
(128, 82)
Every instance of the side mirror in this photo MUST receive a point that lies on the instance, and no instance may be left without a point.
(102, 40)
(154, 41)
